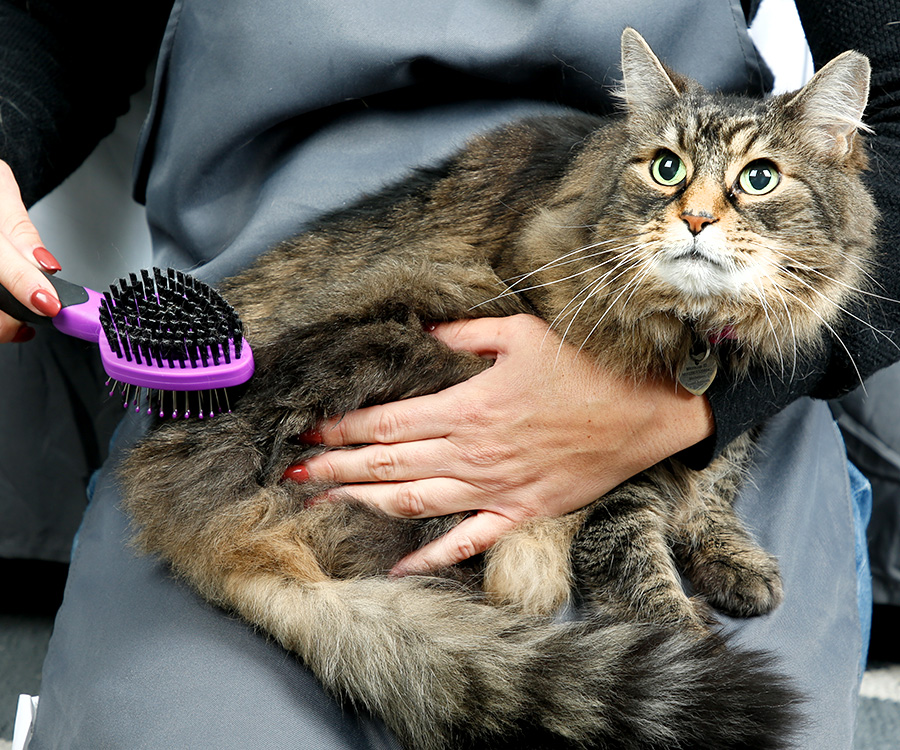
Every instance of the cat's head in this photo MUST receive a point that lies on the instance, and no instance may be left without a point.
(736, 214)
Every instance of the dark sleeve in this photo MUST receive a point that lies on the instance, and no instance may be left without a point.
(67, 70)
(868, 338)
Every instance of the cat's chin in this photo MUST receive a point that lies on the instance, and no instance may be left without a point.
(698, 274)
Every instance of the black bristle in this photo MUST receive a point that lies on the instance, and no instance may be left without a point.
(168, 316)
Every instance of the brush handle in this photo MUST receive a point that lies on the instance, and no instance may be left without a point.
(79, 316)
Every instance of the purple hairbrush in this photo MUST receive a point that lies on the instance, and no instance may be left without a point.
(167, 340)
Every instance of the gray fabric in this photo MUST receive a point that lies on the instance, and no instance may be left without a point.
(869, 420)
(57, 421)
(137, 661)
(285, 110)
(259, 123)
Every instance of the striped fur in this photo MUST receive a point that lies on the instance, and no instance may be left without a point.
(559, 217)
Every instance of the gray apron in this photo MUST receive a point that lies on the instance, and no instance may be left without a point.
(268, 113)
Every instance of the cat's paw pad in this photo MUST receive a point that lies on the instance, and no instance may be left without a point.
(742, 584)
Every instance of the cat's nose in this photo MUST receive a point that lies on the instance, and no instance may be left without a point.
(696, 222)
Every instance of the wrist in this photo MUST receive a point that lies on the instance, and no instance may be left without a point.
(681, 422)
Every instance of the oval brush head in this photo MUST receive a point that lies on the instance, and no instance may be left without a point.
(172, 343)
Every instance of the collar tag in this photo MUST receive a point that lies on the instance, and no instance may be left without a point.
(698, 369)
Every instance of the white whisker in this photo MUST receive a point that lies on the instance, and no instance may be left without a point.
(635, 281)
(512, 290)
(790, 318)
(833, 333)
(843, 309)
(597, 284)
(760, 293)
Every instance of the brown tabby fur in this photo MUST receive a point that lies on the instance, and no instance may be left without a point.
(564, 210)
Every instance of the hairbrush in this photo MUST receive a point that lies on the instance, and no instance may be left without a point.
(167, 340)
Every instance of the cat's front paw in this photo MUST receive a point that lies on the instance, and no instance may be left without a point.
(742, 583)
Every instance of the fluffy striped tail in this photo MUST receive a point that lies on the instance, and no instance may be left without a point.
(444, 671)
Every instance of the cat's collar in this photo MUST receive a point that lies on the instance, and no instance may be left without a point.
(724, 334)
(699, 368)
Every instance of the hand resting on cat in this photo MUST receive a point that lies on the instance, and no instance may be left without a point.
(541, 433)
(640, 238)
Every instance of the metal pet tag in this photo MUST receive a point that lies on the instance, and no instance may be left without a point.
(698, 370)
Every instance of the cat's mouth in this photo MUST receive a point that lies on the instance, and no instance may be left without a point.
(696, 270)
(697, 254)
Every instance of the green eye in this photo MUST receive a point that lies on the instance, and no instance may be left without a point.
(759, 177)
(668, 169)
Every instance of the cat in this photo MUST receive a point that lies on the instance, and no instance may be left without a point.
(684, 231)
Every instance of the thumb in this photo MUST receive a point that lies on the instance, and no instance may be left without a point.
(487, 337)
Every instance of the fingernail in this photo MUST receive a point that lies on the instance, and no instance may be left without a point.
(25, 333)
(398, 571)
(310, 437)
(45, 302)
(46, 260)
(296, 473)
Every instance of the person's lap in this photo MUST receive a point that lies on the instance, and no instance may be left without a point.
(137, 660)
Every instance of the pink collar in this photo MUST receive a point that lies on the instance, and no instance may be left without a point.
(726, 334)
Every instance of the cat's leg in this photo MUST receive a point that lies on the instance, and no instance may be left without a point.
(622, 560)
(530, 568)
(723, 562)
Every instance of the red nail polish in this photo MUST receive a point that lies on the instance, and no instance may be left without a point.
(45, 302)
(46, 260)
(310, 437)
(296, 473)
(25, 333)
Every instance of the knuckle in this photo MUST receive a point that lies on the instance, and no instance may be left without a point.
(463, 546)
(409, 502)
(324, 469)
(16, 281)
(387, 427)
(382, 465)
(16, 225)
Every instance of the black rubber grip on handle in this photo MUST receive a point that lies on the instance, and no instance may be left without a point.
(69, 294)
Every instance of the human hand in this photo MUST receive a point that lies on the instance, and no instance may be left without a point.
(21, 255)
(545, 431)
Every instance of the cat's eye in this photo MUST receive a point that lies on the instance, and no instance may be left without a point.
(759, 177)
(668, 169)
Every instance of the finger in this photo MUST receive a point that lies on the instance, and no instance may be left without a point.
(472, 536)
(419, 418)
(481, 336)
(384, 463)
(26, 283)
(422, 498)
(15, 223)
(487, 336)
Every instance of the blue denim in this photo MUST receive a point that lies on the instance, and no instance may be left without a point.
(861, 495)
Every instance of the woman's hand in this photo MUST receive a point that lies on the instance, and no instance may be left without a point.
(543, 432)
(21, 255)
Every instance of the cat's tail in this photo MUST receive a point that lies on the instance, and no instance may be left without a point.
(445, 671)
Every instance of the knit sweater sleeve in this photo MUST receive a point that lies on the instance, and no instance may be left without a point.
(66, 72)
(868, 336)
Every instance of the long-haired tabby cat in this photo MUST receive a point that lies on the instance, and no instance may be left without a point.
(693, 229)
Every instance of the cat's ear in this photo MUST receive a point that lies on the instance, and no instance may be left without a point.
(647, 86)
(831, 105)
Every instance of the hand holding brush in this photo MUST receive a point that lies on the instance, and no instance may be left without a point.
(170, 343)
